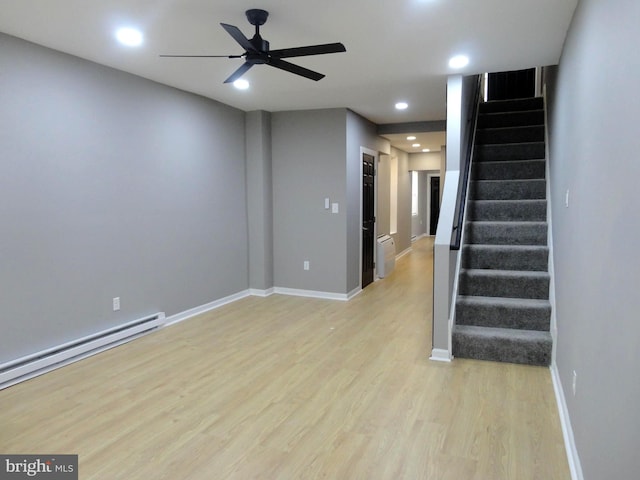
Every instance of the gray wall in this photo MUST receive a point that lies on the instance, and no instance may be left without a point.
(308, 150)
(316, 154)
(360, 133)
(594, 154)
(110, 185)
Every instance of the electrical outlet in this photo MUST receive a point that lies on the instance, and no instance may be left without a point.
(116, 304)
(573, 384)
(305, 265)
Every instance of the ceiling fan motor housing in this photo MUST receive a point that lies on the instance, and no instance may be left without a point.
(260, 44)
(256, 16)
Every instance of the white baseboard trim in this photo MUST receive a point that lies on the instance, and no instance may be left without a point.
(403, 253)
(261, 293)
(311, 293)
(567, 432)
(192, 312)
(356, 291)
(418, 237)
(440, 355)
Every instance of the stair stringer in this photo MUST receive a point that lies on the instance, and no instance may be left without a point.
(553, 328)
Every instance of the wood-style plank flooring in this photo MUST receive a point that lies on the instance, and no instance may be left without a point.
(295, 388)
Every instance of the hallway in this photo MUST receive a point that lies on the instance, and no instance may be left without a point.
(288, 387)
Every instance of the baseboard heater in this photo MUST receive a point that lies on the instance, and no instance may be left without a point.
(46, 360)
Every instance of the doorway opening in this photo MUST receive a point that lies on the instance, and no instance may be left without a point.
(433, 202)
(368, 219)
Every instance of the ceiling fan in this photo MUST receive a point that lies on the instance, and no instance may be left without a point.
(257, 52)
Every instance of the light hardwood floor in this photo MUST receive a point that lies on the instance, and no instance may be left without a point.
(295, 388)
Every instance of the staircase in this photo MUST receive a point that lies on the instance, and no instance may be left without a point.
(503, 311)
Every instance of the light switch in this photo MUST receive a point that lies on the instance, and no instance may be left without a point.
(326, 203)
(334, 208)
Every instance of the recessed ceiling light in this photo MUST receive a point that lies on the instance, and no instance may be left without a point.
(459, 61)
(241, 84)
(425, 150)
(411, 137)
(402, 105)
(129, 37)
(415, 145)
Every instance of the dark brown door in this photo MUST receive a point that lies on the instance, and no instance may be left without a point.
(434, 200)
(368, 218)
(510, 85)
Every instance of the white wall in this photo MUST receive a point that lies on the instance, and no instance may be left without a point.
(383, 192)
(425, 161)
(402, 237)
(110, 186)
(594, 154)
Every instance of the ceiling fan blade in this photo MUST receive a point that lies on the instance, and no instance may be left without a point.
(239, 37)
(310, 50)
(290, 67)
(239, 72)
(202, 56)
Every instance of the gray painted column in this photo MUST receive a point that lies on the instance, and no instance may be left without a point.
(259, 200)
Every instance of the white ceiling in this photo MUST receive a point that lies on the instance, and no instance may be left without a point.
(396, 49)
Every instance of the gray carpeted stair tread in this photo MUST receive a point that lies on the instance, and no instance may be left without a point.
(528, 189)
(504, 283)
(509, 170)
(505, 257)
(525, 133)
(509, 151)
(508, 210)
(500, 312)
(529, 347)
(506, 233)
(529, 103)
(511, 119)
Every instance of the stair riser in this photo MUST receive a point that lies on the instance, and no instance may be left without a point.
(511, 119)
(509, 151)
(509, 190)
(512, 105)
(510, 135)
(507, 170)
(475, 256)
(508, 210)
(520, 318)
(506, 234)
(500, 350)
(504, 286)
